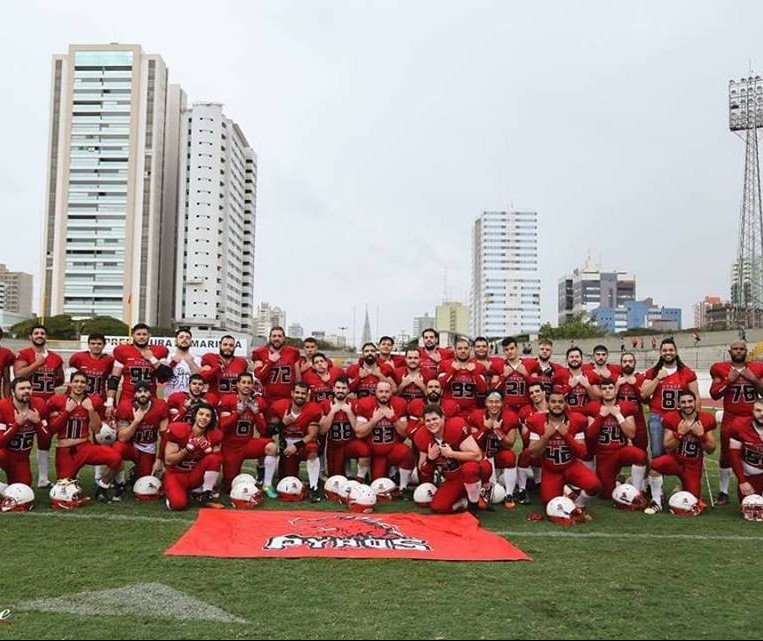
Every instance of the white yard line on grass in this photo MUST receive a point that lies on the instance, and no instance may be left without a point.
(106, 517)
(634, 535)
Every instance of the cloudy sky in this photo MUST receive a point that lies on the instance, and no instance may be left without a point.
(383, 129)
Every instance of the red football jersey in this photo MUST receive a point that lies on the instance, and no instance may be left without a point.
(136, 368)
(238, 427)
(606, 431)
(560, 451)
(739, 396)
(97, 370)
(278, 378)
(179, 433)
(665, 396)
(309, 414)
(226, 372)
(690, 446)
(384, 432)
(77, 423)
(180, 412)
(44, 377)
(147, 433)
(20, 438)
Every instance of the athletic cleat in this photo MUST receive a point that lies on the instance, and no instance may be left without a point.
(521, 497)
(207, 499)
(723, 499)
(102, 494)
(509, 503)
(270, 491)
(653, 508)
(315, 495)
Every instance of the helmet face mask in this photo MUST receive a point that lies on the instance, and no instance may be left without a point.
(752, 508)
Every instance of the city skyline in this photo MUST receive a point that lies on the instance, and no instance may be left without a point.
(358, 141)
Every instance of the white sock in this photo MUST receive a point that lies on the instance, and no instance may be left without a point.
(210, 478)
(98, 472)
(493, 479)
(655, 482)
(120, 476)
(523, 473)
(42, 467)
(725, 474)
(582, 499)
(271, 462)
(509, 479)
(638, 472)
(362, 470)
(473, 491)
(405, 476)
(313, 472)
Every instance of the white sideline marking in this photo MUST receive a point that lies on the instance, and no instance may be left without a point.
(83, 514)
(152, 600)
(632, 535)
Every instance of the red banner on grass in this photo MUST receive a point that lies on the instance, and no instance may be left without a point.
(287, 534)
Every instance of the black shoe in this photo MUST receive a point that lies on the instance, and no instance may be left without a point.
(315, 495)
(473, 509)
(119, 492)
(207, 499)
(102, 494)
(723, 499)
(260, 475)
(521, 497)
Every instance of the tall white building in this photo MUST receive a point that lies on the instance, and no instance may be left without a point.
(267, 317)
(215, 258)
(505, 275)
(110, 191)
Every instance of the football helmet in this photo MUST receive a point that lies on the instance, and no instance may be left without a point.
(563, 511)
(246, 495)
(243, 477)
(344, 497)
(107, 435)
(334, 487)
(290, 488)
(498, 495)
(385, 489)
(752, 507)
(684, 504)
(424, 493)
(627, 497)
(17, 498)
(361, 499)
(147, 488)
(67, 494)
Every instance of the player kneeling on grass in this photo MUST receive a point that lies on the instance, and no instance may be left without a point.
(193, 458)
(688, 435)
(447, 446)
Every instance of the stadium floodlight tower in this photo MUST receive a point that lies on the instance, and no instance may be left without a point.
(745, 118)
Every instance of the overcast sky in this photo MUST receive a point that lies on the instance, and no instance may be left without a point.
(383, 129)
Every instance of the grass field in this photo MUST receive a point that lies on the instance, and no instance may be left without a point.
(624, 575)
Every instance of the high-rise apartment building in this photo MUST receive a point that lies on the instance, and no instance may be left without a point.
(111, 199)
(15, 292)
(215, 258)
(589, 288)
(505, 274)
